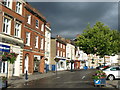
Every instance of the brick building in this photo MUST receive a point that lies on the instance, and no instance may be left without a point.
(22, 30)
(11, 35)
(34, 39)
(58, 50)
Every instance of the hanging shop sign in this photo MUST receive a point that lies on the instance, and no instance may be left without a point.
(4, 48)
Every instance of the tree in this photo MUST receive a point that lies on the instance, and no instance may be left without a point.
(99, 40)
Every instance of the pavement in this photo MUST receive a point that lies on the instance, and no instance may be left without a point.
(15, 82)
(113, 84)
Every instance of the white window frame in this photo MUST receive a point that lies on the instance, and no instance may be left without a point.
(42, 27)
(29, 19)
(18, 7)
(36, 42)
(58, 44)
(37, 24)
(28, 41)
(6, 25)
(61, 45)
(58, 52)
(61, 53)
(7, 3)
(2, 67)
(42, 42)
(17, 32)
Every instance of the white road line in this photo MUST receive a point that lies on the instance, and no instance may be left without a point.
(83, 77)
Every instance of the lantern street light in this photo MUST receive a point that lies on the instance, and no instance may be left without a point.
(56, 60)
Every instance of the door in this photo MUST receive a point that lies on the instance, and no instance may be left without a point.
(26, 64)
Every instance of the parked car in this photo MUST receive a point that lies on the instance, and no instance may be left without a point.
(112, 72)
(99, 66)
(104, 67)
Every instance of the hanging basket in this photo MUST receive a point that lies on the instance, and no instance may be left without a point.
(11, 57)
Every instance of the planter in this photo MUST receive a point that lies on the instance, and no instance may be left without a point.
(100, 82)
(3, 82)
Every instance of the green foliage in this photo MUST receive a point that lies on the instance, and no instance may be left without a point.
(99, 75)
(99, 40)
(11, 57)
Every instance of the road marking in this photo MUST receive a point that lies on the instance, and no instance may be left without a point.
(83, 77)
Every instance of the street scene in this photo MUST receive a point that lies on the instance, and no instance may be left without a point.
(59, 44)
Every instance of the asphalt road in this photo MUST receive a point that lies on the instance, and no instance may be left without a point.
(75, 79)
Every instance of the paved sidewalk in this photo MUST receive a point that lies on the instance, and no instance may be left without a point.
(113, 84)
(16, 82)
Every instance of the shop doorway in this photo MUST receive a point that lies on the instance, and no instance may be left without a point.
(36, 64)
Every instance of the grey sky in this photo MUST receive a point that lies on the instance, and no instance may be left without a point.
(70, 18)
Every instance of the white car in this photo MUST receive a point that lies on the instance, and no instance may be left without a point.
(112, 72)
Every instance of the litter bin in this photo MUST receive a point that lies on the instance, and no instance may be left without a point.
(53, 67)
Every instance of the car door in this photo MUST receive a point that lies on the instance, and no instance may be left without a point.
(114, 71)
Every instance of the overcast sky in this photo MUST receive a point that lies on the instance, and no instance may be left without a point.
(70, 18)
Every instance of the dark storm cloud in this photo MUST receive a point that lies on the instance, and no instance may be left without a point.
(68, 19)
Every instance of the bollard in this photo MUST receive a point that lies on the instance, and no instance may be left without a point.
(26, 75)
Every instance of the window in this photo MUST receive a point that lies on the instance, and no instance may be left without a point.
(29, 19)
(17, 30)
(58, 44)
(37, 23)
(42, 27)
(61, 45)
(58, 53)
(6, 3)
(64, 47)
(36, 42)
(18, 7)
(42, 42)
(61, 54)
(6, 26)
(28, 38)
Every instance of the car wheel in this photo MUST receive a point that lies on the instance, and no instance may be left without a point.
(111, 77)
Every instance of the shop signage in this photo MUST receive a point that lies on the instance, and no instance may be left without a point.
(4, 48)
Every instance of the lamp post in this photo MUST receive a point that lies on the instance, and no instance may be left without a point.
(56, 60)
(72, 61)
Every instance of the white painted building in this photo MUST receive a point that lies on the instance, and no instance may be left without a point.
(47, 45)
(82, 57)
(70, 55)
(16, 68)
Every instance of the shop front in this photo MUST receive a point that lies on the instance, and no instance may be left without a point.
(61, 64)
(6, 67)
(76, 64)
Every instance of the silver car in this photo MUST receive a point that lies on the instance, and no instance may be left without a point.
(112, 72)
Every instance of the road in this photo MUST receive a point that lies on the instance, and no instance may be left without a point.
(75, 79)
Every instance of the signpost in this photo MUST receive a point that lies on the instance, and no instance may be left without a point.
(56, 60)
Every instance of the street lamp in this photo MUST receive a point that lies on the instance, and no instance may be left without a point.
(56, 60)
